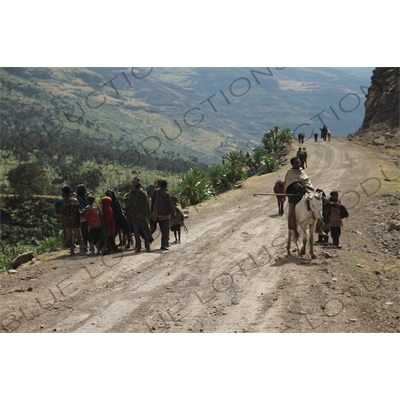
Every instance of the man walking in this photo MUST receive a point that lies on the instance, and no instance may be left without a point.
(324, 132)
(70, 215)
(137, 207)
(161, 211)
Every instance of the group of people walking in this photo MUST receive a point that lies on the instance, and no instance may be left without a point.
(325, 134)
(95, 228)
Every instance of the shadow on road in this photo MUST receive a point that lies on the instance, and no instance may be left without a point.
(295, 259)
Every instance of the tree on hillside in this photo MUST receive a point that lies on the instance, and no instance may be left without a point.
(276, 138)
(66, 175)
(258, 154)
(236, 161)
(28, 179)
(123, 188)
(216, 174)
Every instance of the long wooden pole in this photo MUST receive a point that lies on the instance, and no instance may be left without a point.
(275, 194)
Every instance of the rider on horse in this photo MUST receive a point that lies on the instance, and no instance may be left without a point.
(296, 182)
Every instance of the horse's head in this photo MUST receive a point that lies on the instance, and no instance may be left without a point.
(315, 202)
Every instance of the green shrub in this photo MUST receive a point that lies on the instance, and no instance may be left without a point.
(276, 138)
(217, 175)
(27, 179)
(194, 187)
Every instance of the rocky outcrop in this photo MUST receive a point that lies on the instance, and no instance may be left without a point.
(21, 259)
(382, 120)
(382, 103)
(394, 226)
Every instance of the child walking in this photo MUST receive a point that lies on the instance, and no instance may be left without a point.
(177, 221)
(93, 217)
(109, 223)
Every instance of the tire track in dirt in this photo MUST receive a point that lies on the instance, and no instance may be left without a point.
(205, 266)
(225, 277)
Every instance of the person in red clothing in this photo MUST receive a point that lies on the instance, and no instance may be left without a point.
(94, 218)
(109, 222)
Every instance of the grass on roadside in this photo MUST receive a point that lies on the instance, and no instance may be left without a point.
(9, 252)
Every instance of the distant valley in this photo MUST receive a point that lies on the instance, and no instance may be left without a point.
(196, 113)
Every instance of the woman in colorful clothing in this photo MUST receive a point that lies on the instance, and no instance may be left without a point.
(121, 221)
(109, 222)
(94, 219)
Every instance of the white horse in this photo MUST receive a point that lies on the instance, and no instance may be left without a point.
(308, 212)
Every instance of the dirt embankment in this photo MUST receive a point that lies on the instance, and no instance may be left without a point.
(230, 273)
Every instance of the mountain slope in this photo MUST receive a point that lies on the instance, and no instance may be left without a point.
(258, 97)
(199, 113)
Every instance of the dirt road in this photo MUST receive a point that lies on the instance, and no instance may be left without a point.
(228, 275)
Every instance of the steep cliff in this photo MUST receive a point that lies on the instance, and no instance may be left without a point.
(381, 122)
(382, 104)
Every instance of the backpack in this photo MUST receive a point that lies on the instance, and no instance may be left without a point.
(57, 205)
(68, 213)
(343, 212)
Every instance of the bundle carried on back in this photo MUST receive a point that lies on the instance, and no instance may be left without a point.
(179, 219)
